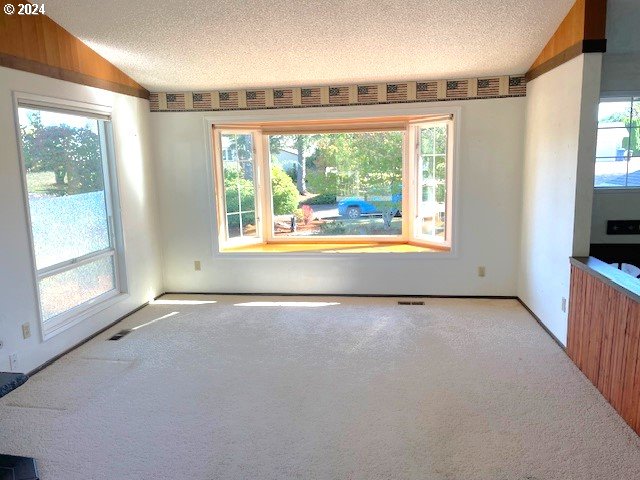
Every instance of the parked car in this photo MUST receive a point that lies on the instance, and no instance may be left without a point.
(353, 207)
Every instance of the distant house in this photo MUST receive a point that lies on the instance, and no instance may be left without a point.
(610, 141)
(287, 158)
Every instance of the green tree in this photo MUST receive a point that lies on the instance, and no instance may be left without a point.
(632, 124)
(284, 192)
(72, 154)
(301, 144)
(366, 164)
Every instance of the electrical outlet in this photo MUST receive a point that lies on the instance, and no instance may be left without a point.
(1, 344)
(13, 362)
(197, 266)
(481, 271)
(564, 304)
(26, 330)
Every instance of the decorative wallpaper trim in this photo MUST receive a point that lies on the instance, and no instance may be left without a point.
(361, 94)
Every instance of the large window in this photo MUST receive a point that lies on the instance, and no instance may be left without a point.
(67, 177)
(380, 180)
(618, 146)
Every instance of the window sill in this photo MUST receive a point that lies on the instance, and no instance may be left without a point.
(80, 313)
(339, 248)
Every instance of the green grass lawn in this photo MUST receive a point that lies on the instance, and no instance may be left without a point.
(41, 182)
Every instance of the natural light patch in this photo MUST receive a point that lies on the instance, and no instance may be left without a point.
(172, 314)
(287, 304)
(181, 302)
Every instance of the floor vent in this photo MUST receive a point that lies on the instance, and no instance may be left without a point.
(120, 334)
(410, 303)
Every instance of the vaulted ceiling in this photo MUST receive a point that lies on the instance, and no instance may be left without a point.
(169, 45)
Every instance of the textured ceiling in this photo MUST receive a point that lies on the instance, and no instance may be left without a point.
(169, 45)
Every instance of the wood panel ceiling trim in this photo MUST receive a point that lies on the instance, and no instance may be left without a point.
(36, 44)
(581, 31)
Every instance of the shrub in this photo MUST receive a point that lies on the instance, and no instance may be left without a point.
(284, 191)
(322, 199)
(319, 182)
(234, 184)
(299, 214)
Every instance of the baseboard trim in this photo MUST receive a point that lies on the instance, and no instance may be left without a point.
(544, 327)
(342, 295)
(82, 342)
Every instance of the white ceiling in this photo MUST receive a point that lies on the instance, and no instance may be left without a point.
(169, 45)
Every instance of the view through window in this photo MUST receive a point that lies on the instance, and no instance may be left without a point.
(70, 208)
(618, 146)
(382, 181)
(337, 184)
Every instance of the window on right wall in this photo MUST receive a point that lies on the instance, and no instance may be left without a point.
(618, 146)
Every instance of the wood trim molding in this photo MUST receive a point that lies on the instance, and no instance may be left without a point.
(38, 68)
(581, 31)
(37, 44)
(584, 46)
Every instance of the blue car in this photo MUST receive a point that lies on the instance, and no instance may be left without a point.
(353, 207)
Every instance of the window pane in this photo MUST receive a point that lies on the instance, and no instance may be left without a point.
(433, 195)
(64, 172)
(633, 178)
(337, 184)
(612, 143)
(632, 143)
(611, 172)
(61, 292)
(239, 186)
(614, 114)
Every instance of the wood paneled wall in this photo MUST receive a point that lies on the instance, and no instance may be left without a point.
(604, 341)
(581, 31)
(35, 43)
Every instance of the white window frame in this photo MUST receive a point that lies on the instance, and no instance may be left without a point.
(254, 119)
(223, 237)
(414, 194)
(80, 312)
(615, 97)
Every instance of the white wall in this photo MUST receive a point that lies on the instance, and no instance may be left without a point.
(489, 195)
(561, 121)
(620, 75)
(621, 62)
(139, 217)
(614, 205)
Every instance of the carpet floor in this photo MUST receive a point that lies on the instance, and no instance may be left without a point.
(226, 387)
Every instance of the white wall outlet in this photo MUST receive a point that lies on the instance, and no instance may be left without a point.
(197, 266)
(26, 330)
(13, 362)
(1, 344)
(564, 304)
(481, 271)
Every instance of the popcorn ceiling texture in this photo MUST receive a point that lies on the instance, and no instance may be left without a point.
(193, 45)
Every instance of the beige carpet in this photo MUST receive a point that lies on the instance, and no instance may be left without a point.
(350, 389)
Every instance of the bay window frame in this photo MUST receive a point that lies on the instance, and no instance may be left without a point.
(264, 125)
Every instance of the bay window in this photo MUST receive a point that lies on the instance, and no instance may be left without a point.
(379, 181)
